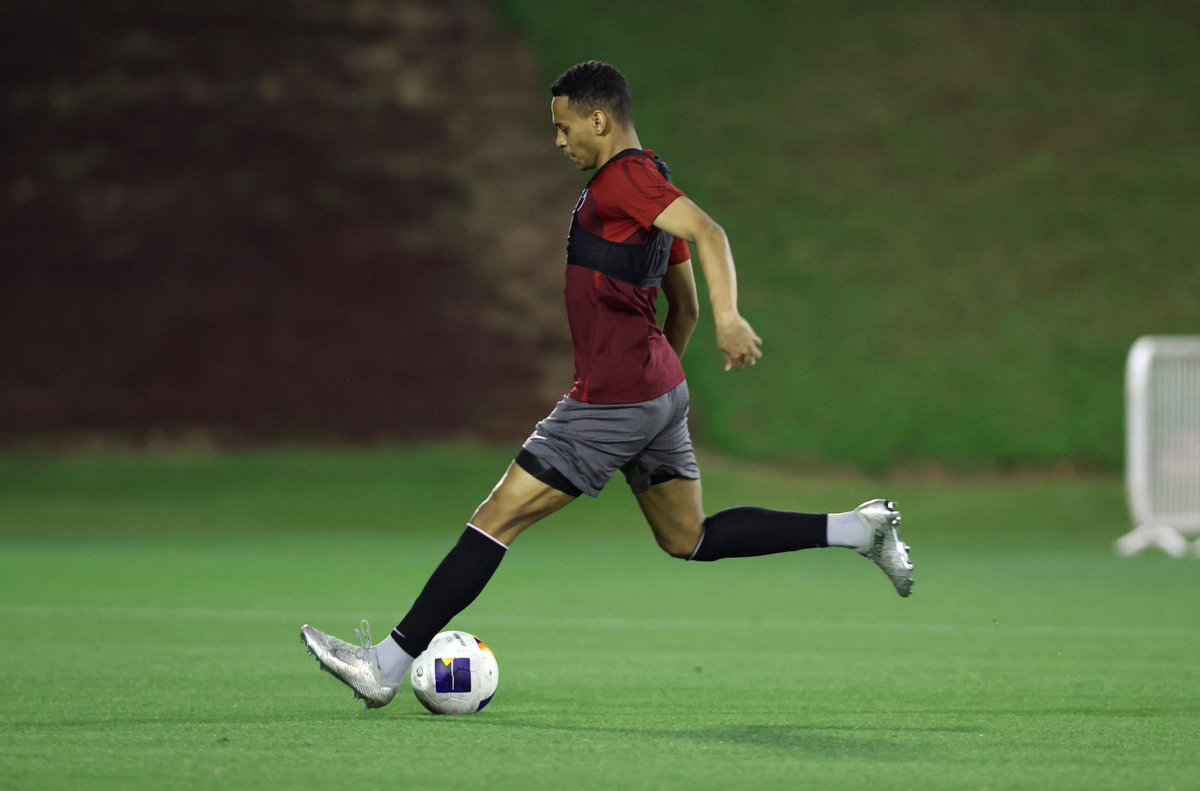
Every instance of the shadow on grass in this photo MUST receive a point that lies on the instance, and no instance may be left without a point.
(846, 740)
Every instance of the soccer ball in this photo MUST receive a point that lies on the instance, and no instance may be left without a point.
(456, 674)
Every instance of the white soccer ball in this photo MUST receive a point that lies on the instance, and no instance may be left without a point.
(456, 674)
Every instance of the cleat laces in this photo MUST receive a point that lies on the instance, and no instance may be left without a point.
(363, 633)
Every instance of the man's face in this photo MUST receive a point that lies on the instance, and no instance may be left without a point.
(575, 137)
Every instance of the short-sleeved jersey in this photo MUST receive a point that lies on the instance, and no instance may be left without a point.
(616, 260)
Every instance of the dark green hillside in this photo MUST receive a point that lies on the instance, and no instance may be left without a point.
(261, 222)
(951, 219)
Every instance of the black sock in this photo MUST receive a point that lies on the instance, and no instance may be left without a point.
(749, 532)
(454, 584)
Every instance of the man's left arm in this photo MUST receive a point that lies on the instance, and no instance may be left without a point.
(683, 306)
(737, 340)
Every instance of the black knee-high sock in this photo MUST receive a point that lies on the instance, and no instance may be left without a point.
(454, 584)
(749, 532)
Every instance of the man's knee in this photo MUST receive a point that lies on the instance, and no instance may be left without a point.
(680, 543)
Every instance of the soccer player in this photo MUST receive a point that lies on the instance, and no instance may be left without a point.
(628, 408)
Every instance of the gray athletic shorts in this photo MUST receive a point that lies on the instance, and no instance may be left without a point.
(587, 443)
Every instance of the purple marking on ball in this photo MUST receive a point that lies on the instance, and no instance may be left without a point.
(454, 677)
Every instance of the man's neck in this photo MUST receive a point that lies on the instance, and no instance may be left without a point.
(619, 143)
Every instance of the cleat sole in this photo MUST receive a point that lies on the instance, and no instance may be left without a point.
(886, 550)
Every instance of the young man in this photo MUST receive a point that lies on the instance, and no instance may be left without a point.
(628, 408)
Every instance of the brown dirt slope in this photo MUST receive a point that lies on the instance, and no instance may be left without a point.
(277, 220)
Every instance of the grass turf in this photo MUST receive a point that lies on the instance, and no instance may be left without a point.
(149, 609)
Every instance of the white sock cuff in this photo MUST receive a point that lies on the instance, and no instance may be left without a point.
(393, 661)
(482, 533)
(390, 648)
(847, 530)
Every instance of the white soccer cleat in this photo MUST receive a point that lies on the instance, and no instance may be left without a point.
(886, 549)
(353, 665)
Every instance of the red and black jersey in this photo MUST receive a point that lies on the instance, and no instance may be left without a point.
(616, 260)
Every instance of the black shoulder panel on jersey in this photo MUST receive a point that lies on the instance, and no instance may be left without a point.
(643, 265)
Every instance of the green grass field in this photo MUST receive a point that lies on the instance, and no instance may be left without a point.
(149, 609)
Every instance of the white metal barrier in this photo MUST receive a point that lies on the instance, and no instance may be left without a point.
(1162, 434)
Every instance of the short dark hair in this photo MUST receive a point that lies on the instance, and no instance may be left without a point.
(595, 85)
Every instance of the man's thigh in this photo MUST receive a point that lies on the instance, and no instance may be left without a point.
(518, 501)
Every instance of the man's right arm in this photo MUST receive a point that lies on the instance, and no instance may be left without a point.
(737, 340)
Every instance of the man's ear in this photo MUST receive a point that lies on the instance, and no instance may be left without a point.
(600, 122)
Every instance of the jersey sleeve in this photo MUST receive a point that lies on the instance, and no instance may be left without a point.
(640, 191)
(679, 251)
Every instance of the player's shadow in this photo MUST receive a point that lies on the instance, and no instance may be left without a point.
(825, 739)
(846, 740)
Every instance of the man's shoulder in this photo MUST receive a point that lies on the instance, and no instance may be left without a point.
(644, 161)
(638, 169)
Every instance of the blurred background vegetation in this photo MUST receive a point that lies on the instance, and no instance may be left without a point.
(951, 219)
(304, 220)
